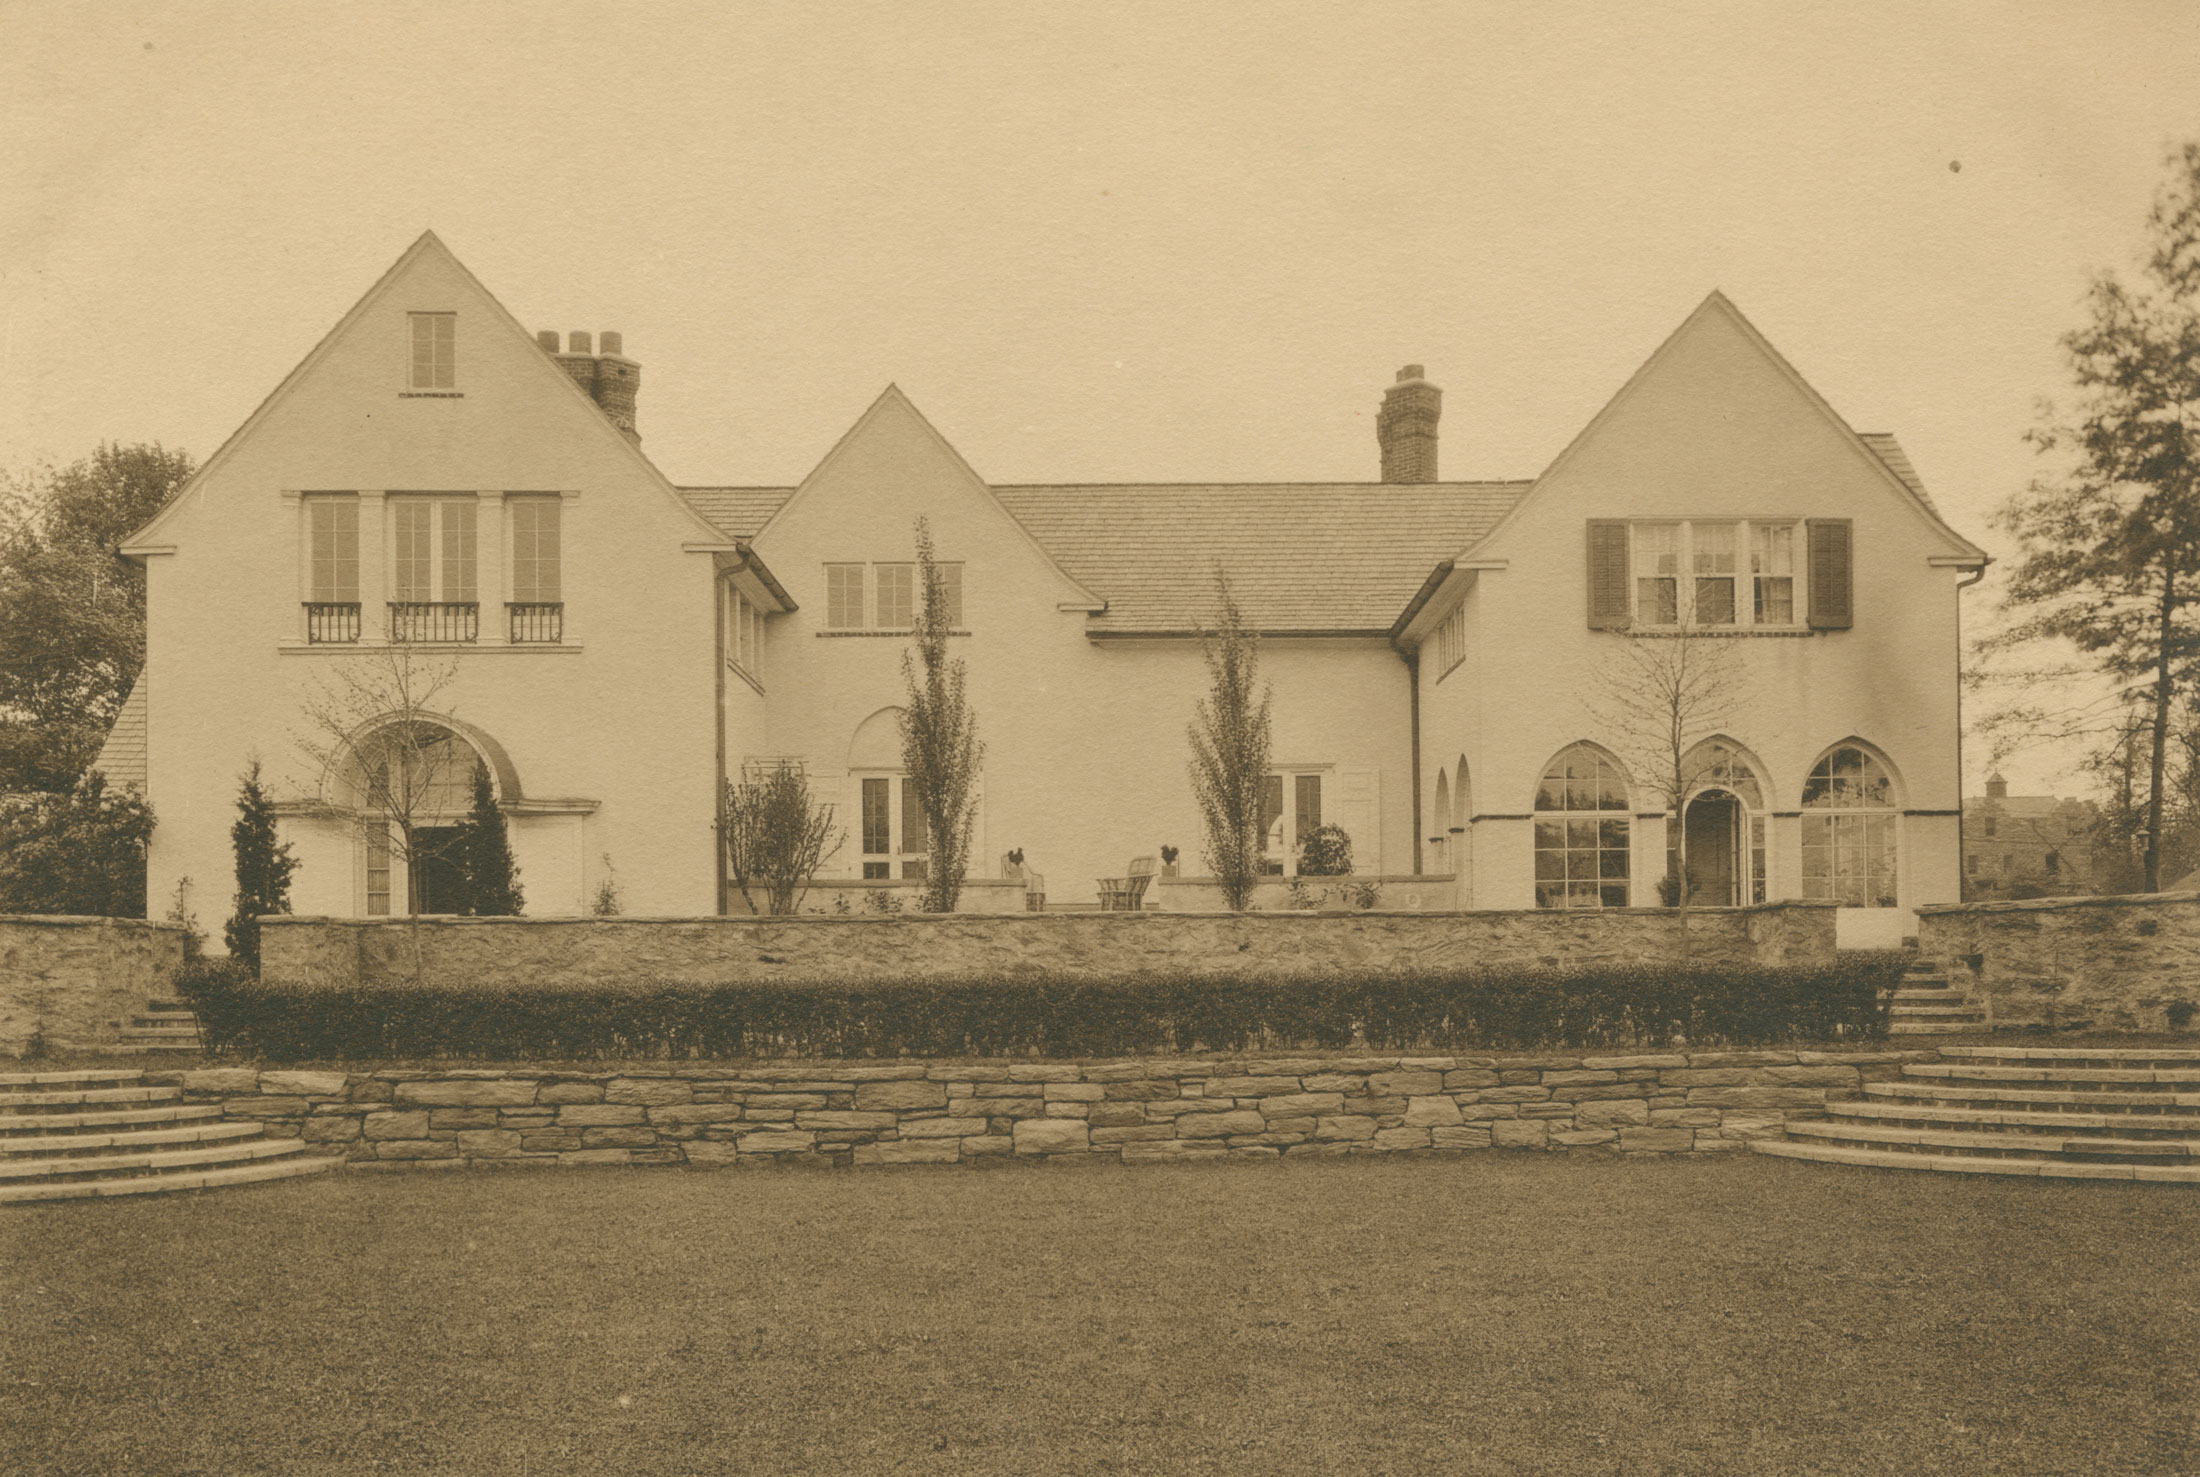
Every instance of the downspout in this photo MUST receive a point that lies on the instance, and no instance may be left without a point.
(718, 790)
(1413, 700)
(1962, 853)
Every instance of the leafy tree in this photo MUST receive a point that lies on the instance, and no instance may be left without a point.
(81, 851)
(482, 852)
(2111, 536)
(264, 868)
(1229, 734)
(940, 748)
(72, 611)
(776, 836)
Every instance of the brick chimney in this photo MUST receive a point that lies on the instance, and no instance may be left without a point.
(611, 379)
(1405, 428)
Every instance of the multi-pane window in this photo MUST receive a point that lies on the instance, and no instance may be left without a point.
(434, 547)
(1849, 831)
(1581, 832)
(332, 525)
(880, 793)
(744, 633)
(897, 596)
(434, 351)
(1712, 545)
(536, 553)
(843, 597)
(378, 874)
(1772, 572)
(1451, 641)
(1290, 811)
(1710, 550)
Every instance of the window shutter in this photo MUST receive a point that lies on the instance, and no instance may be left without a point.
(1831, 605)
(1358, 807)
(1607, 574)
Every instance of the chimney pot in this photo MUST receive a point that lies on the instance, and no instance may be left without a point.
(612, 343)
(576, 342)
(1405, 428)
(548, 339)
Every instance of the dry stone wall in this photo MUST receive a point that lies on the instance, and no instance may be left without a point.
(2118, 963)
(72, 982)
(848, 1114)
(553, 952)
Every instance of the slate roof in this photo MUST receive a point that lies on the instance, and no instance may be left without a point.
(1303, 556)
(122, 756)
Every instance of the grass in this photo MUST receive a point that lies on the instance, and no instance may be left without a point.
(1493, 1314)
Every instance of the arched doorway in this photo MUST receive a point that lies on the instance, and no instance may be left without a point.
(1714, 837)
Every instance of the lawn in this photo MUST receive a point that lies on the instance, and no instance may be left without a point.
(1492, 1314)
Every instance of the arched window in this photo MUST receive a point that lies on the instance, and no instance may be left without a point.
(890, 831)
(1849, 837)
(1581, 832)
(411, 783)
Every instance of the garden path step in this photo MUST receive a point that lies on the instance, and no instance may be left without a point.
(35, 1080)
(1969, 1072)
(92, 1095)
(2008, 1142)
(2118, 1054)
(64, 1167)
(155, 1184)
(76, 1122)
(80, 1143)
(1987, 1093)
(1965, 1164)
(1922, 1113)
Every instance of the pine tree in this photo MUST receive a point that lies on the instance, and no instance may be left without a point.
(264, 866)
(483, 855)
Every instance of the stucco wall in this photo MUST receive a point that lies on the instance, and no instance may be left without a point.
(74, 981)
(1165, 1111)
(528, 952)
(2119, 963)
(1712, 428)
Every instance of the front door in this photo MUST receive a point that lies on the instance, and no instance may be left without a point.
(1714, 830)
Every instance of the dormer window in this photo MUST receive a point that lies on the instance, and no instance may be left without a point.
(434, 351)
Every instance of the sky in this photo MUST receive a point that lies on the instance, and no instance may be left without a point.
(1132, 242)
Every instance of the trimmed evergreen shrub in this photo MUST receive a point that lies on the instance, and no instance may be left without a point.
(264, 866)
(482, 851)
(1618, 1006)
(1326, 852)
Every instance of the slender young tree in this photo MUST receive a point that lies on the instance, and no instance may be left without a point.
(264, 868)
(1229, 734)
(483, 853)
(2111, 536)
(940, 749)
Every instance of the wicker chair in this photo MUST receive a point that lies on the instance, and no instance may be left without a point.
(1127, 894)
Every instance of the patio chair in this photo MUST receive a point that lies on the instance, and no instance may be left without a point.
(1127, 894)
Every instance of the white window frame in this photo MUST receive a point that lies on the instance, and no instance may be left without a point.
(339, 531)
(845, 605)
(437, 333)
(520, 507)
(1450, 639)
(899, 863)
(444, 526)
(886, 601)
(1742, 571)
(1286, 857)
(744, 621)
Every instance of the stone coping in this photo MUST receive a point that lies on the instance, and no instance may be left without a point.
(2055, 904)
(1040, 920)
(84, 920)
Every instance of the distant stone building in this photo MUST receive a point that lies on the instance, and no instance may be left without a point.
(2020, 846)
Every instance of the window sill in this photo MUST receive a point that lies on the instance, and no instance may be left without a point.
(1720, 633)
(431, 394)
(898, 634)
(294, 647)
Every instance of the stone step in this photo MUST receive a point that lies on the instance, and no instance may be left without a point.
(157, 1184)
(2125, 1124)
(2118, 1054)
(2014, 1141)
(184, 1046)
(175, 1006)
(1930, 997)
(155, 1161)
(1931, 1028)
(32, 1081)
(1970, 1072)
(85, 1143)
(83, 1096)
(1929, 1012)
(2050, 1096)
(2185, 1174)
(17, 1123)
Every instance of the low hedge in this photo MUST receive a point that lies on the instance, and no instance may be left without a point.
(1052, 1015)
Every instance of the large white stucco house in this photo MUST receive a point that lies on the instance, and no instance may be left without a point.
(434, 483)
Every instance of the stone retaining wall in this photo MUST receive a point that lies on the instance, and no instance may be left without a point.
(72, 982)
(1134, 1112)
(552, 952)
(2118, 963)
